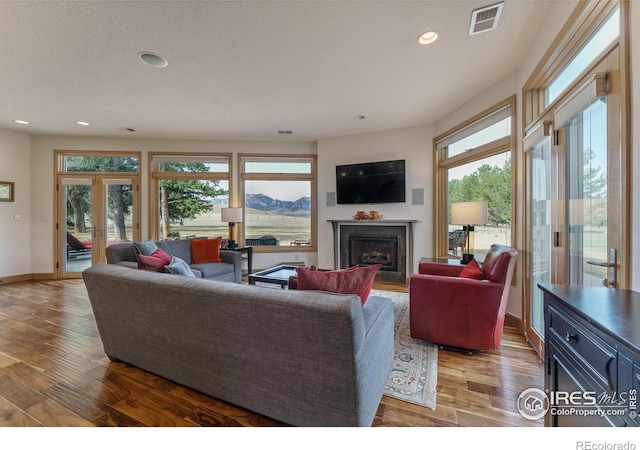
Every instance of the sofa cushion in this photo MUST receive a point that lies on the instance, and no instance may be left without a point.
(472, 270)
(354, 280)
(213, 270)
(145, 248)
(205, 250)
(154, 262)
(178, 266)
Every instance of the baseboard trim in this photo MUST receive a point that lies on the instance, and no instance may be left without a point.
(512, 321)
(26, 277)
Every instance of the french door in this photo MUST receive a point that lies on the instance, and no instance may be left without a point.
(576, 232)
(94, 211)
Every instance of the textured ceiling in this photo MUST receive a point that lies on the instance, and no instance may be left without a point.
(246, 69)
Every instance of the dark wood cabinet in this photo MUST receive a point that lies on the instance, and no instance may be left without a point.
(592, 353)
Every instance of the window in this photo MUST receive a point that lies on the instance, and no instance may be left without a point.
(576, 157)
(279, 201)
(474, 165)
(187, 195)
(75, 162)
(606, 36)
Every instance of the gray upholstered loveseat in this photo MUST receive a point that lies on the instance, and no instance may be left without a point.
(306, 358)
(230, 269)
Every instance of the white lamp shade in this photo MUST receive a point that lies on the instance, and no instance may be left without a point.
(469, 213)
(231, 215)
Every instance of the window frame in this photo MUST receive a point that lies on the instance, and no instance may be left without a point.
(442, 164)
(271, 176)
(583, 23)
(155, 176)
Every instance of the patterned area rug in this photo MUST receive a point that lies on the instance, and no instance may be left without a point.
(414, 376)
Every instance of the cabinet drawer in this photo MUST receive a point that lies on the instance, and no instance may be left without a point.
(593, 351)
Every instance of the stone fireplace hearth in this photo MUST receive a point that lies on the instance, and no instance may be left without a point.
(367, 242)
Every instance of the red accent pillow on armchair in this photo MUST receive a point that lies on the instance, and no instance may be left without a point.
(354, 280)
(472, 270)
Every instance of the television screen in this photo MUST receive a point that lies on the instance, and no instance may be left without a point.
(375, 182)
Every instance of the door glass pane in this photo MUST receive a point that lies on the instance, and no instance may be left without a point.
(118, 203)
(78, 227)
(587, 194)
(540, 213)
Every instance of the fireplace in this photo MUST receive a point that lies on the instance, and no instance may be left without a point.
(364, 251)
(367, 242)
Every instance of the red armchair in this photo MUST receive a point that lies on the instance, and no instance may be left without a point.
(462, 312)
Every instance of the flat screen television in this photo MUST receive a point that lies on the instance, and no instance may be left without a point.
(374, 182)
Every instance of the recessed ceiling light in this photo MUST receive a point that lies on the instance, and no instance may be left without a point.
(152, 59)
(84, 124)
(428, 37)
(21, 122)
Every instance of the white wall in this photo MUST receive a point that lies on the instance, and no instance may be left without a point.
(42, 170)
(15, 236)
(412, 144)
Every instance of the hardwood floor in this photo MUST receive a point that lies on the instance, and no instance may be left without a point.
(53, 372)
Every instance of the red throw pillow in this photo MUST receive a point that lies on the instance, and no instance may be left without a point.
(472, 270)
(154, 262)
(205, 250)
(354, 280)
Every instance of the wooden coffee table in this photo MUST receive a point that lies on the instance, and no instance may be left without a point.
(276, 275)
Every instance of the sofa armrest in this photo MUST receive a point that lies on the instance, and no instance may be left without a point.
(447, 270)
(235, 258)
(120, 252)
(374, 360)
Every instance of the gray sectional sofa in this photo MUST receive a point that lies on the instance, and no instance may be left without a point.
(230, 269)
(306, 358)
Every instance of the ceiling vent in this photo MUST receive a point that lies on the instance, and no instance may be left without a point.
(485, 19)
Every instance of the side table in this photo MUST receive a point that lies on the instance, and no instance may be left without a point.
(448, 261)
(246, 251)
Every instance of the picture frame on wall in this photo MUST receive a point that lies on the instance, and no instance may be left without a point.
(7, 191)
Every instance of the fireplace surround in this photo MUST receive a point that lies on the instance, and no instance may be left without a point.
(366, 242)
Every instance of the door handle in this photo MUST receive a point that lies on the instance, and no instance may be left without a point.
(601, 263)
(610, 281)
(608, 284)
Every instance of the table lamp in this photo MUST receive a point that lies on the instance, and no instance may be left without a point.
(232, 216)
(468, 214)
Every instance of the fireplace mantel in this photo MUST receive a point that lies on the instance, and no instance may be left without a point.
(348, 227)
